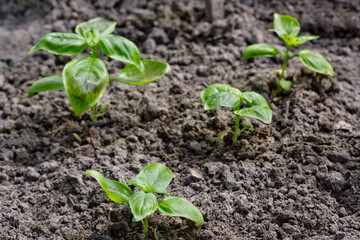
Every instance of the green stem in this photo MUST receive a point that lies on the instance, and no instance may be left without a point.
(236, 132)
(94, 52)
(285, 59)
(146, 225)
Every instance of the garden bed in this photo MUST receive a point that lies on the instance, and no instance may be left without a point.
(297, 178)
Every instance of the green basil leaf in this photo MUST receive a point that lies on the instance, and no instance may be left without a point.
(220, 95)
(142, 205)
(263, 114)
(303, 39)
(315, 62)
(133, 76)
(180, 207)
(284, 84)
(285, 25)
(85, 80)
(51, 83)
(97, 26)
(260, 50)
(153, 178)
(121, 49)
(66, 44)
(116, 191)
(254, 99)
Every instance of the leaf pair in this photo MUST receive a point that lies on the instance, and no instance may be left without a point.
(154, 178)
(222, 95)
(288, 28)
(85, 79)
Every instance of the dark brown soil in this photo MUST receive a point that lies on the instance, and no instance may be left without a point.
(297, 178)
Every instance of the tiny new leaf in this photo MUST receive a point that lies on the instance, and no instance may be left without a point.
(142, 205)
(284, 84)
(116, 191)
(66, 44)
(315, 62)
(153, 178)
(152, 70)
(51, 83)
(180, 207)
(285, 25)
(85, 80)
(98, 25)
(260, 50)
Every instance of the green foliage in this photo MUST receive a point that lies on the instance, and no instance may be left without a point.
(154, 178)
(222, 95)
(288, 28)
(85, 79)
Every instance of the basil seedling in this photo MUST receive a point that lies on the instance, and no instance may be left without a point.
(288, 28)
(222, 95)
(85, 79)
(154, 178)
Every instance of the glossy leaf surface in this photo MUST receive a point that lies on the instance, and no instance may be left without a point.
(142, 205)
(153, 178)
(133, 76)
(254, 99)
(180, 207)
(303, 39)
(85, 80)
(51, 83)
(116, 191)
(260, 50)
(97, 26)
(220, 95)
(66, 44)
(263, 114)
(286, 25)
(121, 49)
(315, 62)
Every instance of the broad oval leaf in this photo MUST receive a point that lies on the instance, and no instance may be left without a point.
(116, 191)
(85, 80)
(315, 62)
(66, 44)
(220, 95)
(133, 76)
(260, 50)
(263, 114)
(254, 99)
(142, 205)
(99, 26)
(286, 25)
(180, 207)
(121, 49)
(153, 178)
(51, 83)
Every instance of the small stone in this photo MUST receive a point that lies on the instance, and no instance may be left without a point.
(335, 181)
(195, 146)
(159, 35)
(196, 173)
(32, 174)
(341, 157)
(149, 46)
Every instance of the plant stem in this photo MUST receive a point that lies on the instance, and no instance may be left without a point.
(285, 59)
(145, 224)
(236, 132)
(94, 52)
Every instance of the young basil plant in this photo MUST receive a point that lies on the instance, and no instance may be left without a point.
(85, 79)
(287, 28)
(154, 178)
(222, 95)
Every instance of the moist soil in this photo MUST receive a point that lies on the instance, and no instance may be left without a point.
(297, 178)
